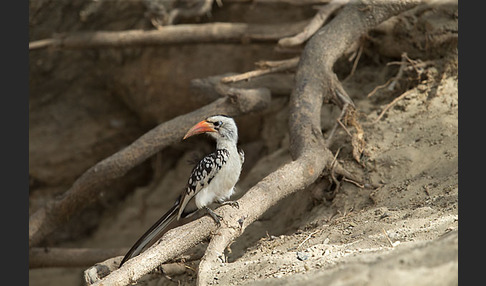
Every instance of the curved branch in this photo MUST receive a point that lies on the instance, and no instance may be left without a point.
(315, 78)
(314, 25)
(169, 35)
(84, 189)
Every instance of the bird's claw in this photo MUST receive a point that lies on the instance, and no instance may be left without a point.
(234, 204)
(216, 217)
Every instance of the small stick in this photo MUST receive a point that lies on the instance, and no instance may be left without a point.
(270, 67)
(356, 60)
(307, 238)
(380, 87)
(387, 238)
(333, 165)
(399, 73)
(331, 135)
(391, 104)
(344, 127)
(426, 189)
(353, 182)
(392, 81)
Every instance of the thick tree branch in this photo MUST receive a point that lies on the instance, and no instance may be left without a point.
(84, 189)
(177, 34)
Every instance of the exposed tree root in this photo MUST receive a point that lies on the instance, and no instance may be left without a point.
(169, 35)
(314, 25)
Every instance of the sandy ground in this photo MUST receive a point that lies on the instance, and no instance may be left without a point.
(402, 233)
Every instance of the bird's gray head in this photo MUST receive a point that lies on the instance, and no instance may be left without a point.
(220, 127)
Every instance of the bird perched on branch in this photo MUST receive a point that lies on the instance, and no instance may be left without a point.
(212, 180)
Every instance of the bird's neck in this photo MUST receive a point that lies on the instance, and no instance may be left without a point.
(226, 144)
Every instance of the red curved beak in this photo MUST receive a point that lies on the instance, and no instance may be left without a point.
(201, 127)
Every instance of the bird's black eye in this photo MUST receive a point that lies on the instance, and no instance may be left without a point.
(217, 123)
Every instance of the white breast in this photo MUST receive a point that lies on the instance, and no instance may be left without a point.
(222, 185)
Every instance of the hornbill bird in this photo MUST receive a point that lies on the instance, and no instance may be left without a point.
(212, 180)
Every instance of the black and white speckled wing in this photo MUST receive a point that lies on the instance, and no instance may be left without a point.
(202, 174)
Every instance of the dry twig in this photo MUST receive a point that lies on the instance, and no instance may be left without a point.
(330, 138)
(387, 237)
(417, 65)
(307, 238)
(391, 83)
(378, 87)
(357, 56)
(391, 104)
(267, 67)
(354, 183)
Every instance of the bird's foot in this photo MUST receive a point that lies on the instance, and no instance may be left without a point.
(217, 218)
(234, 204)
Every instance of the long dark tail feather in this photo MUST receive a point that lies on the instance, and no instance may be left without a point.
(153, 234)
